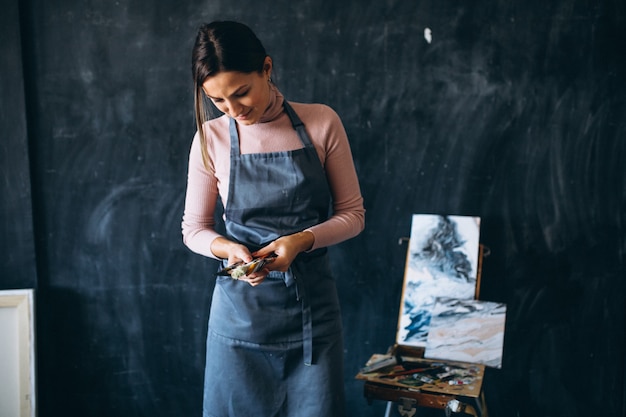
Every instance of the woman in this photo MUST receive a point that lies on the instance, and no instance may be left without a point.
(285, 177)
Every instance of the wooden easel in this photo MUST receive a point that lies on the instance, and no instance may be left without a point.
(451, 400)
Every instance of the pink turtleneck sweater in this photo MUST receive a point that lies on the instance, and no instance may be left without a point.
(273, 133)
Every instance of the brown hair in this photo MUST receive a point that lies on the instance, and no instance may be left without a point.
(221, 46)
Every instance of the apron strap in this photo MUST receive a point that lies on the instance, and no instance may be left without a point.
(234, 138)
(307, 321)
(297, 124)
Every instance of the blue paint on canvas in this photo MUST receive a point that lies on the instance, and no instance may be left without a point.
(442, 261)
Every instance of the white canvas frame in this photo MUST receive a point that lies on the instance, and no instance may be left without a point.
(17, 353)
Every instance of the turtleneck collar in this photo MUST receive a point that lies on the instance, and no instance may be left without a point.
(275, 106)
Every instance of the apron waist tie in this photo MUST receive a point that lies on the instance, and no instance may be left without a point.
(307, 322)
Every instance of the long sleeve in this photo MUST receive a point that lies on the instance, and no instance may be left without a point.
(198, 225)
(348, 214)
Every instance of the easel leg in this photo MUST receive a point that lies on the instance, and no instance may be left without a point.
(481, 405)
(388, 410)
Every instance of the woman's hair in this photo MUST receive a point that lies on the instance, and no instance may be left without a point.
(221, 46)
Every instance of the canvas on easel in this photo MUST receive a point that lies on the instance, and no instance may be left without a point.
(470, 331)
(443, 263)
(442, 260)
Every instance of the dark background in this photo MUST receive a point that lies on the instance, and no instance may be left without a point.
(516, 112)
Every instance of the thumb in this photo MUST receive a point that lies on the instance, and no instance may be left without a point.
(264, 251)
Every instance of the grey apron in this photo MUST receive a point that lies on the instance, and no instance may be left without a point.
(276, 349)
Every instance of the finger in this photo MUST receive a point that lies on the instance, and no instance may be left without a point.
(233, 259)
(241, 254)
(265, 250)
(259, 274)
(254, 281)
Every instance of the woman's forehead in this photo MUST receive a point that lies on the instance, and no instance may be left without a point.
(227, 83)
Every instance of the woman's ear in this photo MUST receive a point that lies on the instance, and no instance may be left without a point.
(267, 66)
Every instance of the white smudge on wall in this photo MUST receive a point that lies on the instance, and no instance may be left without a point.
(428, 35)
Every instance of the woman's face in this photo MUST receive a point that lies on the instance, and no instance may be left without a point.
(242, 96)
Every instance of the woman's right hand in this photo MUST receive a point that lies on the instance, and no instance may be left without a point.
(235, 252)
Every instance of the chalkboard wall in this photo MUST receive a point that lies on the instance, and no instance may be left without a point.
(17, 247)
(514, 111)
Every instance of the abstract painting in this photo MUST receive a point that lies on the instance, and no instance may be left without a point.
(442, 261)
(469, 331)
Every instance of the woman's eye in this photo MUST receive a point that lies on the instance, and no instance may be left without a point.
(243, 93)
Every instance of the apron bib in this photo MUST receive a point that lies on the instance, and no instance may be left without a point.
(277, 193)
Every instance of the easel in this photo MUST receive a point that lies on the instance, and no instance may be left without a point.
(407, 400)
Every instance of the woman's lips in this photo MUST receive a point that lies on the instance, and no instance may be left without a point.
(244, 116)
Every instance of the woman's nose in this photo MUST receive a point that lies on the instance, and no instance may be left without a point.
(234, 108)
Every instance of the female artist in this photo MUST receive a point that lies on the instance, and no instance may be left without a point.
(284, 174)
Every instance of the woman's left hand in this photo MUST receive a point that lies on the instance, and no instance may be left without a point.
(286, 248)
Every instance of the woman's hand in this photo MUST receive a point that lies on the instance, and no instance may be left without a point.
(236, 252)
(286, 249)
